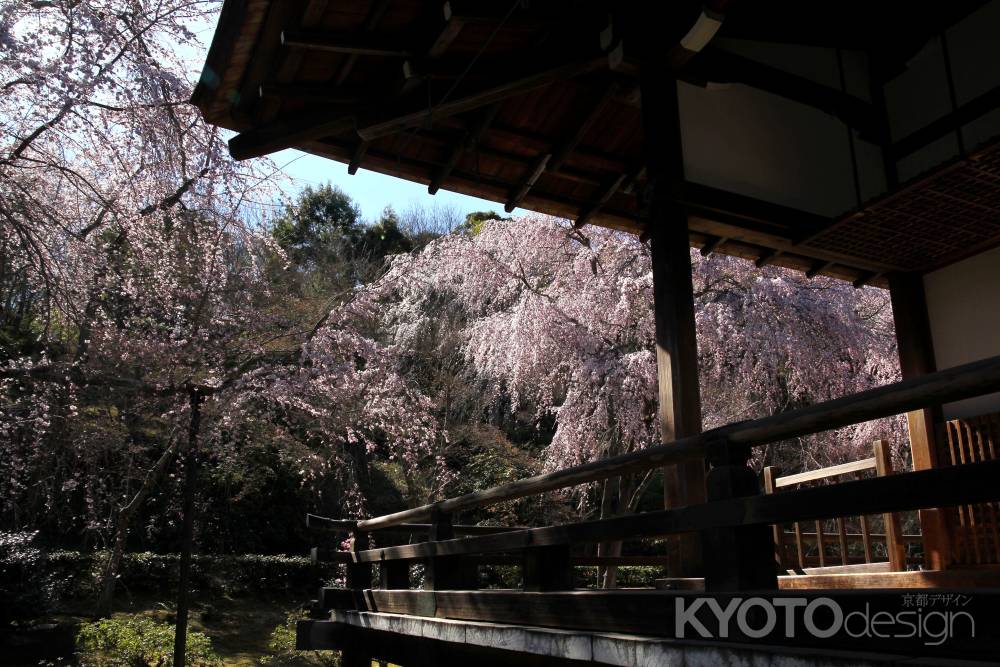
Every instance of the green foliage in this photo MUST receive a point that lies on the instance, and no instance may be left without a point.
(323, 223)
(474, 221)
(283, 653)
(139, 641)
(226, 575)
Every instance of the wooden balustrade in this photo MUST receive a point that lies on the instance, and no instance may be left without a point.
(953, 384)
(735, 520)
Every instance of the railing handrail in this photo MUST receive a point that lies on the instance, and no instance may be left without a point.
(953, 384)
(315, 521)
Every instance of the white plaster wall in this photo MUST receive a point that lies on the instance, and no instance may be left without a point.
(963, 302)
(761, 145)
(919, 95)
(776, 149)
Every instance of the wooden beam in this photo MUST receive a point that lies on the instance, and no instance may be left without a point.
(554, 159)
(469, 141)
(823, 473)
(968, 112)
(285, 133)
(712, 244)
(957, 383)
(766, 257)
(264, 57)
(389, 122)
(653, 613)
(316, 522)
(449, 32)
(371, 22)
(916, 359)
(359, 155)
(375, 121)
(623, 182)
(325, 94)
(818, 268)
(714, 64)
(866, 278)
(349, 43)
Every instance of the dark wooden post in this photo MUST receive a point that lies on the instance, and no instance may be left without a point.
(916, 358)
(673, 296)
(394, 574)
(359, 575)
(547, 568)
(893, 530)
(771, 474)
(448, 572)
(740, 558)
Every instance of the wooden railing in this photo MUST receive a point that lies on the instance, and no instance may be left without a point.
(734, 523)
(895, 560)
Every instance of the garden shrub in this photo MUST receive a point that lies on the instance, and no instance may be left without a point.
(283, 653)
(27, 587)
(139, 641)
(151, 572)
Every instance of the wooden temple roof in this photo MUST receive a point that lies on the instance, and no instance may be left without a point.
(536, 104)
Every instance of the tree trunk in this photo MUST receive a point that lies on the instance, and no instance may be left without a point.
(109, 577)
(190, 481)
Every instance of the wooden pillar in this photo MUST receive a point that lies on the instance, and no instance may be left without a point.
(394, 574)
(673, 298)
(359, 575)
(739, 558)
(448, 572)
(771, 474)
(916, 358)
(894, 546)
(547, 568)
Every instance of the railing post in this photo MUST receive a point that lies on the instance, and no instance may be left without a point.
(359, 575)
(394, 574)
(739, 558)
(447, 572)
(547, 568)
(894, 546)
(771, 474)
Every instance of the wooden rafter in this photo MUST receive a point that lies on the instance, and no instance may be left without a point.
(376, 121)
(371, 22)
(470, 138)
(324, 93)
(766, 258)
(359, 155)
(622, 182)
(263, 60)
(394, 120)
(712, 244)
(349, 43)
(554, 159)
(817, 269)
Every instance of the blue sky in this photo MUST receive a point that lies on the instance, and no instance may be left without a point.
(372, 191)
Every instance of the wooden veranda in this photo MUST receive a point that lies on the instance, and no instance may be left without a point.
(849, 139)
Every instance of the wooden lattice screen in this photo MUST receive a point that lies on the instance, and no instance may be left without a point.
(974, 529)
